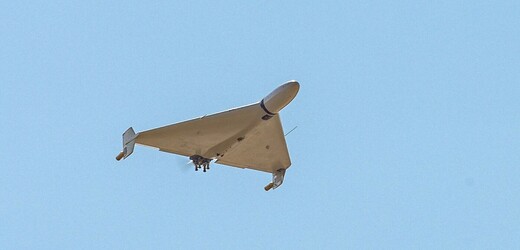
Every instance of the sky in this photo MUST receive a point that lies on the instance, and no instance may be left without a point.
(408, 124)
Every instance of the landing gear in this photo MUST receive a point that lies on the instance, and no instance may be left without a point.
(200, 162)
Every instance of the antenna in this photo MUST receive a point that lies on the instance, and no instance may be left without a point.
(291, 130)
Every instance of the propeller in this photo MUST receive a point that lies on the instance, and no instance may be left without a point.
(187, 166)
(184, 167)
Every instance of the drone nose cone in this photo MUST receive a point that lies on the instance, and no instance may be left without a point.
(280, 97)
(292, 86)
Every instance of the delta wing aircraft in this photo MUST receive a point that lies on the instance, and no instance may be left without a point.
(245, 137)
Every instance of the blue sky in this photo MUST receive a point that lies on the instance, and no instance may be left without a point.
(408, 123)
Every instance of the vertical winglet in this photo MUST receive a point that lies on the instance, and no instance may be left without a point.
(278, 176)
(128, 144)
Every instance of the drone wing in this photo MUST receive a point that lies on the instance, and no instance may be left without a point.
(200, 135)
(237, 137)
(263, 148)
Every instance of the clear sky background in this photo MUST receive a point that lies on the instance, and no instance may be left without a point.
(408, 123)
